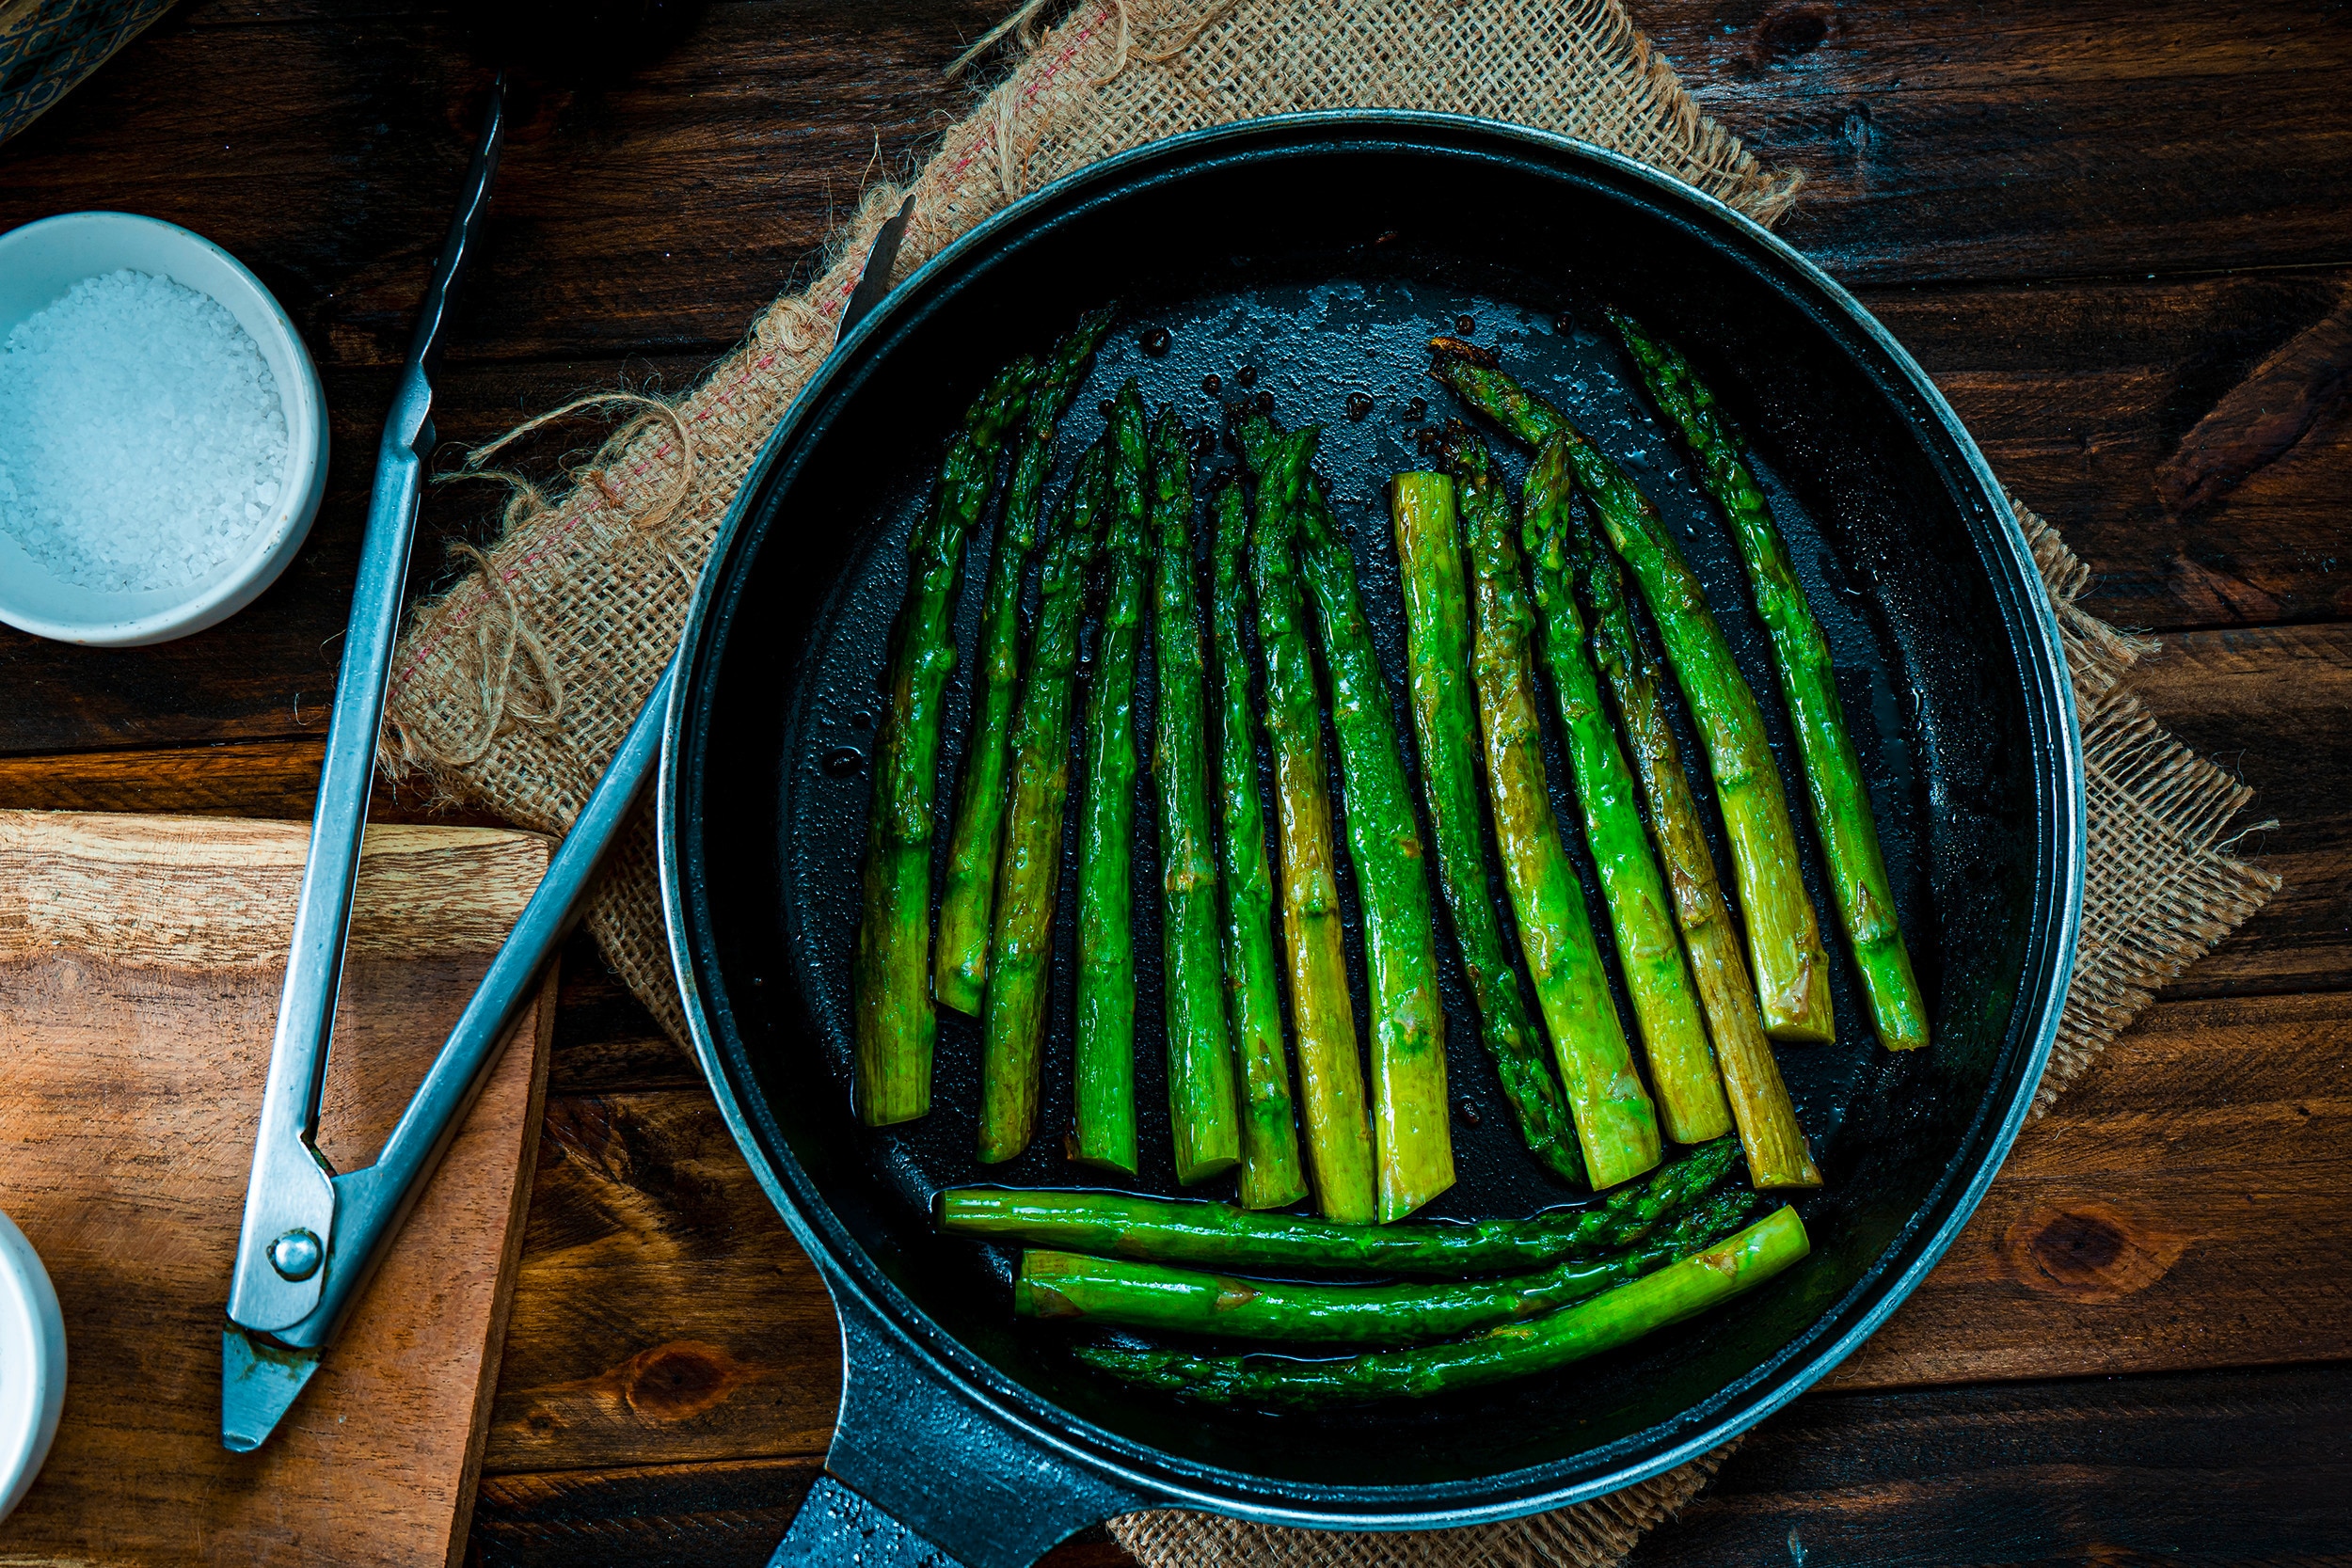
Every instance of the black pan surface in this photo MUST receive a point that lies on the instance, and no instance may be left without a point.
(1309, 260)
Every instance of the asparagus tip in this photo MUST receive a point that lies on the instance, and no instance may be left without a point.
(1455, 348)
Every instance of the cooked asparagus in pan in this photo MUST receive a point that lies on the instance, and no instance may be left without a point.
(1776, 1145)
(895, 1025)
(1339, 1133)
(1029, 872)
(1203, 1112)
(1105, 1023)
(968, 890)
(1784, 937)
(1614, 1119)
(1445, 720)
(1112, 1292)
(1179, 1230)
(1833, 769)
(1271, 1176)
(1411, 1118)
(1679, 1291)
(1665, 1005)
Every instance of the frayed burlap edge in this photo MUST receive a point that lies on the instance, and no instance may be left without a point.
(1585, 1536)
(2161, 887)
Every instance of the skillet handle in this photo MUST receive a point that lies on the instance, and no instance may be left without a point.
(923, 1473)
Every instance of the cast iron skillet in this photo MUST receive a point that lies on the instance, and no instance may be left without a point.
(1322, 251)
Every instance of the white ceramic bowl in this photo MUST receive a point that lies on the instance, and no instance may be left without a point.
(32, 1365)
(41, 260)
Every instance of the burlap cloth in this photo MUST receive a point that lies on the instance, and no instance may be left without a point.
(512, 690)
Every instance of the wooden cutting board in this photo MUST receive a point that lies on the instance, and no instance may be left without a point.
(140, 959)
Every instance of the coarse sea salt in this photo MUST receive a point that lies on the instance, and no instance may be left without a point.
(142, 439)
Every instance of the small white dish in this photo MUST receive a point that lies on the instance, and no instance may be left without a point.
(41, 260)
(32, 1365)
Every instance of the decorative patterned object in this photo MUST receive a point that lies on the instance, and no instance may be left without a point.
(48, 46)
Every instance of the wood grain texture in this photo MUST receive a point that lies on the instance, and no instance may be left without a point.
(2216, 1467)
(142, 958)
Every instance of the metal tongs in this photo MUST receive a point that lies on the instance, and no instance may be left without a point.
(312, 1237)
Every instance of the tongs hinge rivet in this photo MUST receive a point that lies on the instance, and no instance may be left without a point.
(297, 1254)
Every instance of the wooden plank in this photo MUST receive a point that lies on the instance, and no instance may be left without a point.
(2249, 1466)
(2239, 1468)
(2273, 708)
(656, 205)
(2083, 393)
(142, 958)
(2181, 1207)
(2098, 136)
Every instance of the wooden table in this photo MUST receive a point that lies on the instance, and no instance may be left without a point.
(2095, 221)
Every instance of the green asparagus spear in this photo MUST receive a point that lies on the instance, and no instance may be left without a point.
(1271, 1176)
(1028, 868)
(1412, 1134)
(1833, 769)
(895, 1023)
(1775, 1146)
(1614, 1119)
(1105, 1051)
(1445, 717)
(1339, 1135)
(1784, 937)
(1202, 1109)
(1690, 1096)
(1177, 1231)
(960, 974)
(1674, 1294)
(1067, 1285)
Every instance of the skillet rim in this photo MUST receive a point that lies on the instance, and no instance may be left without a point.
(1156, 1475)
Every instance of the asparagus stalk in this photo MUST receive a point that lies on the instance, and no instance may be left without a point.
(1678, 1292)
(894, 1026)
(1028, 868)
(1614, 1119)
(1105, 1050)
(1339, 1137)
(1833, 769)
(1203, 1111)
(1176, 1231)
(1774, 1143)
(1412, 1131)
(1445, 718)
(1690, 1096)
(960, 973)
(1784, 938)
(1271, 1176)
(1068, 1284)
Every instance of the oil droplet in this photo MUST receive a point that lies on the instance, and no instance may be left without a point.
(1212, 384)
(1103, 407)
(842, 761)
(862, 719)
(1464, 325)
(1265, 404)
(1469, 1111)
(1417, 409)
(1245, 376)
(1358, 404)
(1565, 325)
(1155, 342)
(1204, 442)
